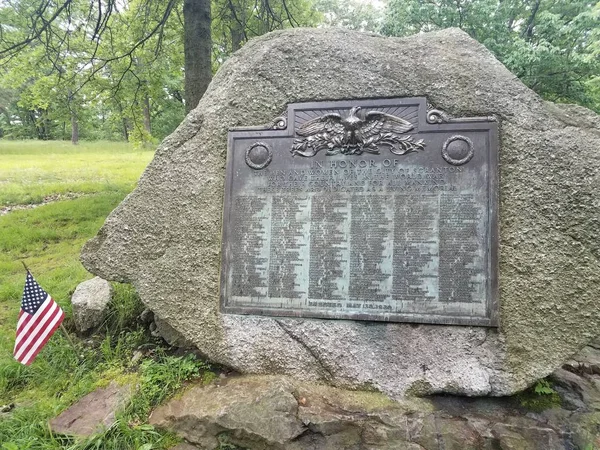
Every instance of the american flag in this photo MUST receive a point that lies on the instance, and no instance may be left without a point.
(39, 318)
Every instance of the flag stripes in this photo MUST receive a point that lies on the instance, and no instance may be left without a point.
(39, 318)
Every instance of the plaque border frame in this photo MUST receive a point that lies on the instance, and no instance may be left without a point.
(283, 127)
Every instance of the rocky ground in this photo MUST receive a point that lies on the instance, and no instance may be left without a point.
(47, 200)
(276, 413)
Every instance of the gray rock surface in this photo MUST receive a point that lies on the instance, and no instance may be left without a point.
(173, 337)
(93, 412)
(184, 446)
(90, 303)
(165, 236)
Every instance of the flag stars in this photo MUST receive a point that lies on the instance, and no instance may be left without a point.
(33, 296)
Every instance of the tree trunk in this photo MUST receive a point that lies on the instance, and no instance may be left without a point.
(237, 37)
(528, 30)
(237, 26)
(197, 45)
(74, 122)
(125, 129)
(4, 111)
(74, 129)
(146, 111)
(124, 121)
(42, 125)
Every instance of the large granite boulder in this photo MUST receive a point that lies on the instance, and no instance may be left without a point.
(165, 237)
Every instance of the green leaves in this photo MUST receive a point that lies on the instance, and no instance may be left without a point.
(552, 46)
(10, 446)
(145, 447)
(542, 387)
(110, 82)
(124, 80)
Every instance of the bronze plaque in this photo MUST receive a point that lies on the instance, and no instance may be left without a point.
(365, 209)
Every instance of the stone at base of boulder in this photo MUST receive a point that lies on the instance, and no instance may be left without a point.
(93, 412)
(90, 303)
(280, 413)
(184, 446)
(173, 337)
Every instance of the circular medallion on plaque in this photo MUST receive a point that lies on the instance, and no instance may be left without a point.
(458, 150)
(259, 155)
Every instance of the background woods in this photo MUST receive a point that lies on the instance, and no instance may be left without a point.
(130, 70)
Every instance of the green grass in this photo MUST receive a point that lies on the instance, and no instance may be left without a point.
(31, 171)
(49, 238)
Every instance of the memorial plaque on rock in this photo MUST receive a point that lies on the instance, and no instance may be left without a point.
(365, 209)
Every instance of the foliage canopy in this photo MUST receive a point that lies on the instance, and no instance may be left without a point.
(115, 69)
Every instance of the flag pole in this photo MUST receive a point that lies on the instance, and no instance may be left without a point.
(65, 332)
(61, 326)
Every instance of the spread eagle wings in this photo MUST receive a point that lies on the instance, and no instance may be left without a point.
(322, 133)
(377, 123)
(330, 124)
(335, 134)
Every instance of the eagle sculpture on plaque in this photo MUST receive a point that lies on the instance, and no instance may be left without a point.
(355, 135)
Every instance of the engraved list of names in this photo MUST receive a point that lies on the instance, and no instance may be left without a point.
(372, 235)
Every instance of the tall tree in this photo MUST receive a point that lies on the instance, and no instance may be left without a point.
(198, 50)
(53, 25)
(237, 21)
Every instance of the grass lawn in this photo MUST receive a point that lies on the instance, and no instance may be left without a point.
(49, 238)
(33, 170)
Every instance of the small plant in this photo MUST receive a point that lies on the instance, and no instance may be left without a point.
(539, 397)
(162, 377)
(118, 350)
(123, 436)
(124, 309)
(542, 387)
(13, 376)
